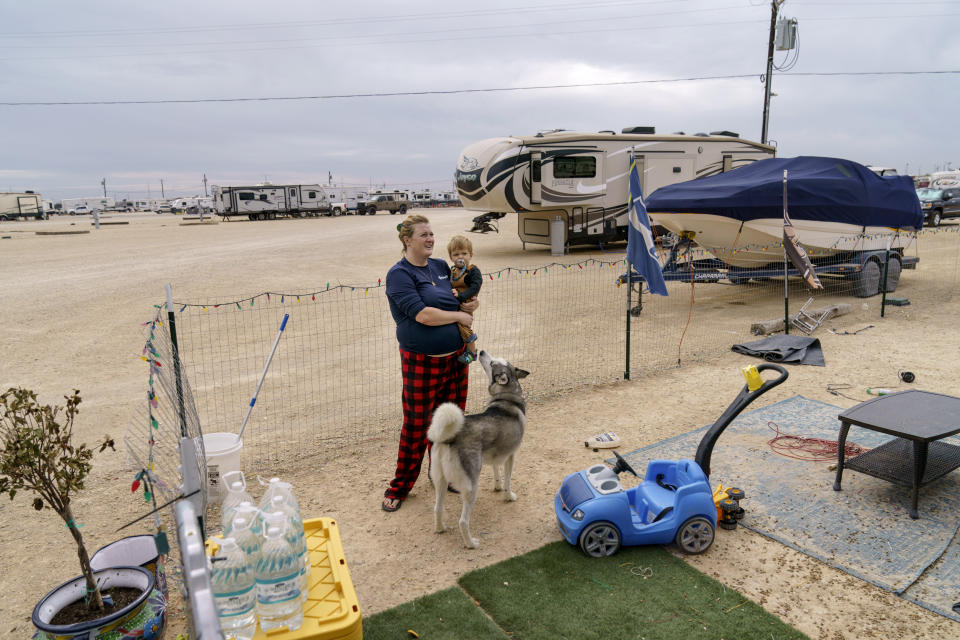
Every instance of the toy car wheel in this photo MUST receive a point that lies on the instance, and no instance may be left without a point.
(600, 539)
(695, 535)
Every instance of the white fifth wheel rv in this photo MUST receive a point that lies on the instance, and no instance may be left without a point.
(582, 178)
(26, 204)
(267, 201)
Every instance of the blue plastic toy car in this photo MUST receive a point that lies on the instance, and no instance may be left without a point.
(674, 503)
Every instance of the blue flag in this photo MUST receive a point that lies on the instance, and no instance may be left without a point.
(641, 250)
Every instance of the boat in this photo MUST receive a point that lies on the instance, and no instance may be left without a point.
(837, 207)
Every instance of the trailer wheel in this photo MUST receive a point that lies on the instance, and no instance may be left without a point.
(251, 216)
(867, 282)
(893, 274)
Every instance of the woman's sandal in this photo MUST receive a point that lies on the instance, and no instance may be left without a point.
(390, 504)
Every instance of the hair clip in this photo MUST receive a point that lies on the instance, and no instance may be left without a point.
(399, 226)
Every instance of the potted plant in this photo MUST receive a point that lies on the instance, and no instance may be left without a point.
(37, 454)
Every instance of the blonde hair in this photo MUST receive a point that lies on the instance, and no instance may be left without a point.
(405, 228)
(459, 242)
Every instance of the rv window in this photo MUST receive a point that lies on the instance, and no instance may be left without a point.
(293, 192)
(575, 167)
(263, 197)
(245, 195)
(311, 194)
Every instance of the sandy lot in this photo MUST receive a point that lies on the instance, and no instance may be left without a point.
(71, 315)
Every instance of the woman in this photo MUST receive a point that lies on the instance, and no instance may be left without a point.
(426, 313)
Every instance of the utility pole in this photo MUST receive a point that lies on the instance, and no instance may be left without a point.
(103, 183)
(774, 8)
(162, 194)
(205, 194)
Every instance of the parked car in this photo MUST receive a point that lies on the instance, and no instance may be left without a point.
(938, 204)
(80, 210)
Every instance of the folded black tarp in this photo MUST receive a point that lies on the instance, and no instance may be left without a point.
(785, 349)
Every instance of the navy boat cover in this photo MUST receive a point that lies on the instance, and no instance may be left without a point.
(823, 189)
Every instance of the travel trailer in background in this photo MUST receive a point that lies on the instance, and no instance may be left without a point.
(69, 205)
(26, 204)
(267, 201)
(582, 178)
(944, 179)
(150, 204)
(192, 205)
(343, 199)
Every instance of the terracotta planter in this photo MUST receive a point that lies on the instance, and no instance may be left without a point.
(144, 618)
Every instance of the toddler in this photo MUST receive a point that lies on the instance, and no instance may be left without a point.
(466, 280)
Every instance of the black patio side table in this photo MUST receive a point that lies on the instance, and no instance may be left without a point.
(918, 419)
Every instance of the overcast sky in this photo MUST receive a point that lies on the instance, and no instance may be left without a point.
(103, 50)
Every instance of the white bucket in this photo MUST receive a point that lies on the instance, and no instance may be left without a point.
(222, 451)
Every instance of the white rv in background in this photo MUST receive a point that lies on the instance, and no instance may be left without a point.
(149, 204)
(944, 179)
(343, 199)
(583, 178)
(69, 205)
(25, 204)
(267, 201)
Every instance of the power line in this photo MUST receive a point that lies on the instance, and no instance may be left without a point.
(552, 7)
(437, 92)
(380, 38)
(395, 36)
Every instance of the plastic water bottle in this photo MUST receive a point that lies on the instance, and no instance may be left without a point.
(233, 591)
(277, 487)
(278, 581)
(295, 536)
(236, 485)
(248, 541)
(236, 493)
(248, 511)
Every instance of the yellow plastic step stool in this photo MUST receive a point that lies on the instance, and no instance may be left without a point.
(331, 611)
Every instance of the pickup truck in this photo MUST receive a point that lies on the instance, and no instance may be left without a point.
(397, 202)
(938, 204)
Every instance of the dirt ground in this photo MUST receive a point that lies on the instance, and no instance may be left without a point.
(71, 313)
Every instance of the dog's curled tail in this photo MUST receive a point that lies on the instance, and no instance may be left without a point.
(446, 423)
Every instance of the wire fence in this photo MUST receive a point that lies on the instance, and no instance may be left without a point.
(335, 378)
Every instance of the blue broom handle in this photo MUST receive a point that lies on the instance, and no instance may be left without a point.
(253, 400)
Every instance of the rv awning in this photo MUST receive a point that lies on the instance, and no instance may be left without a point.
(821, 189)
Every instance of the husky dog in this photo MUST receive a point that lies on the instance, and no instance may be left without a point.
(461, 444)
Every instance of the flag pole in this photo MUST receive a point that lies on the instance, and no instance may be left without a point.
(786, 265)
(626, 366)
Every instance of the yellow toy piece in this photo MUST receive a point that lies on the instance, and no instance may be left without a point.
(720, 493)
(754, 380)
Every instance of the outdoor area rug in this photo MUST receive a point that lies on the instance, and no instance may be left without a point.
(864, 529)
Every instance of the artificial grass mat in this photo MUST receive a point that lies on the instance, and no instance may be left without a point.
(445, 615)
(557, 593)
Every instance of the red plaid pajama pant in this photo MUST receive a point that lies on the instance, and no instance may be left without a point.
(428, 382)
